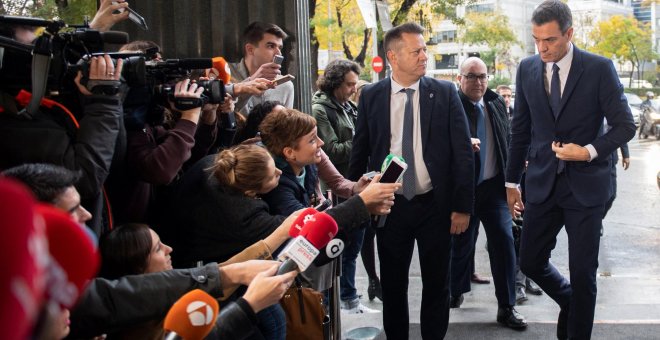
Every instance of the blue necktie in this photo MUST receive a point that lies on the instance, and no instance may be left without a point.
(481, 134)
(555, 90)
(555, 102)
(407, 147)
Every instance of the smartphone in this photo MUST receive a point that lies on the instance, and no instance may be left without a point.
(135, 17)
(278, 59)
(324, 205)
(394, 170)
(283, 79)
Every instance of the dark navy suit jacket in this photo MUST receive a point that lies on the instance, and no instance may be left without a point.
(592, 91)
(445, 140)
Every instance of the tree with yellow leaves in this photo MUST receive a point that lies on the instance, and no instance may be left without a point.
(626, 39)
(492, 30)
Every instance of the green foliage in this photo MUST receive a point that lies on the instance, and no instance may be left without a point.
(73, 13)
(498, 80)
(490, 29)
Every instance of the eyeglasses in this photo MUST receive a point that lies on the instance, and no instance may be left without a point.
(473, 77)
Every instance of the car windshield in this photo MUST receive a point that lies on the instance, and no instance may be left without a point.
(633, 99)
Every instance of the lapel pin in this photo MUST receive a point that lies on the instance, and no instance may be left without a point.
(431, 95)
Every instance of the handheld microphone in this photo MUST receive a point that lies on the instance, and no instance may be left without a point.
(74, 257)
(315, 234)
(300, 221)
(332, 250)
(192, 317)
(23, 259)
(221, 70)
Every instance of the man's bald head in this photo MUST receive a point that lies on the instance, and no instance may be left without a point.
(467, 63)
(473, 78)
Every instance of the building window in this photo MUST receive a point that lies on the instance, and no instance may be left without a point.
(445, 37)
(444, 61)
(480, 8)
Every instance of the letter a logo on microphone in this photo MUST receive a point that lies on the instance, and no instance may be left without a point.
(199, 313)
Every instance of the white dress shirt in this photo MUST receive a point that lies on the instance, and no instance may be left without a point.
(397, 110)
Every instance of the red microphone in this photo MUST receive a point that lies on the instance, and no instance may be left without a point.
(75, 259)
(319, 229)
(192, 317)
(23, 259)
(300, 221)
(220, 70)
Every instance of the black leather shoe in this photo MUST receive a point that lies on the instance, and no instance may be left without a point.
(508, 316)
(456, 301)
(562, 324)
(533, 288)
(375, 290)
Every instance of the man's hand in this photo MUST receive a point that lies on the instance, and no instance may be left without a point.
(570, 152)
(476, 144)
(625, 162)
(243, 273)
(228, 104)
(268, 71)
(209, 115)
(459, 223)
(379, 197)
(253, 87)
(514, 201)
(105, 17)
(282, 231)
(266, 289)
(361, 184)
(100, 68)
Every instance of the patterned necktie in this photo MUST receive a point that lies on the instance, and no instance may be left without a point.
(408, 154)
(481, 134)
(555, 90)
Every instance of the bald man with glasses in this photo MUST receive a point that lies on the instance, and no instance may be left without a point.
(489, 128)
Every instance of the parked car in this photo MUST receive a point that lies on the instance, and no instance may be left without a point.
(634, 102)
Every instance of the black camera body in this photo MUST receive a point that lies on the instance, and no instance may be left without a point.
(72, 51)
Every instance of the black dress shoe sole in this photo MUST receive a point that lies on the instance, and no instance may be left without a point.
(511, 325)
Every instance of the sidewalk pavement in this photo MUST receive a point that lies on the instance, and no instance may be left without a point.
(628, 286)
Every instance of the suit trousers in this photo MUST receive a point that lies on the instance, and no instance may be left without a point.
(421, 220)
(542, 224)
(490, 209)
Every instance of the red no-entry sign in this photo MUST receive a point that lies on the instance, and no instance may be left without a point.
(377, 64)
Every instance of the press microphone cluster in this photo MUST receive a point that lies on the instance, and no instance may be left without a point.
(316, 231)
(192, 317)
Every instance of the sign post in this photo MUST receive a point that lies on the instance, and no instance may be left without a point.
(377, 64)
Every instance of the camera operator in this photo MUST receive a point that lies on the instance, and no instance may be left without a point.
(50, 135)
(161, 141)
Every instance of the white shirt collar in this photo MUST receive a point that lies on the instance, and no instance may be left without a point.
(564, 63)
(396, 87)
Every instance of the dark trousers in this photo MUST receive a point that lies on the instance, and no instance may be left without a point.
(492, 210)
(421, 220)
(539, 237)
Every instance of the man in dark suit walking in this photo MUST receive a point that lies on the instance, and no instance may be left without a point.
(421, 119)
(489, 127)
(562, 96)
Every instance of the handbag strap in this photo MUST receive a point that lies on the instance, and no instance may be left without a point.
(301, 302)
